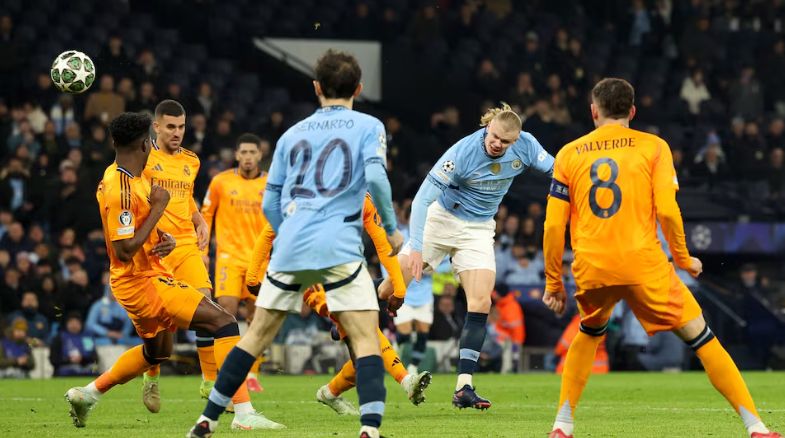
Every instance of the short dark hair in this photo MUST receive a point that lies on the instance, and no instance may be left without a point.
(338, 74)
(248, 138)
(614, 97)
(169, 107)
(128, 128)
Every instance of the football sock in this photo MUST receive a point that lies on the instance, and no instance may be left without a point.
(344, 380)
(726, 378)
(370, 390)
(230, 379)
(129, 365)
(472, 337)
(392, 363)
(255, 367)
(225, 339)
(403, 340)
(577, 369)
(418, 351)
(206, 351)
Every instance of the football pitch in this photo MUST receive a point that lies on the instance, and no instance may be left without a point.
(614, 405)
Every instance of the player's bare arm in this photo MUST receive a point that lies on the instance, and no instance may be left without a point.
(126, 249)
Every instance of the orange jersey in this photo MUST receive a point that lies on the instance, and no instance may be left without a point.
(175, 173)
(373, 226)
(123, 202)
(617, 182)
(234, 203)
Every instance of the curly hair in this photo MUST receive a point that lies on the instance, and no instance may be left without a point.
(128, 128)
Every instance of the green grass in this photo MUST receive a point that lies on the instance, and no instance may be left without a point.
(615, 405)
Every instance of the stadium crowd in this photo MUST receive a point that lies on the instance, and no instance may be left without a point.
(709, 75)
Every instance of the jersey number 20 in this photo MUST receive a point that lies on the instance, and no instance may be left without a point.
(298, 190)
(610, 183)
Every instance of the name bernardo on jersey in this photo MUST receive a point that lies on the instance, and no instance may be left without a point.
(606, 145)
(324, 124)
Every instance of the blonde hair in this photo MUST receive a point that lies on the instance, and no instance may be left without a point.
(505, 115)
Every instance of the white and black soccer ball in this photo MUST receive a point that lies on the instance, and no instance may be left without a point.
(448, 166)
(73, 72)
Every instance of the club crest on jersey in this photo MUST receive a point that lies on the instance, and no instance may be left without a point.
(517, 164)
(125, 218)
(186, 170)
(495, 168)
(234, 193)
(541, 156)
(291, 208)
(382, 149)
(448, 166)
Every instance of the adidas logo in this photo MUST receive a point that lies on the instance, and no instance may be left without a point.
(158, 168)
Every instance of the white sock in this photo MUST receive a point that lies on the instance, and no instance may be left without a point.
(328, 394)
(251, 376)
(463, 379)
(244, 408)
(758, 427)
(372, 431)
(92, 390)
(405, 382)
(213, 423)
(565, 427)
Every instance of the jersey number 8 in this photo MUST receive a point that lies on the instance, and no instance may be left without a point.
(299, 190)
(610, 183)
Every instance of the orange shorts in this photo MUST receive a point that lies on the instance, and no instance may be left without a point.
(230, 278)
(662, 305)
(185, 262)
(160, 304)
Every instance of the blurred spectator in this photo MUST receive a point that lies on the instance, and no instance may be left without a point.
(752, 156)
(107, 322)
(23, 138)
(204, 103)
(763, 328)
(489, 80)
(694, 91)
(746, 95)
(63, 113)
(113, 59)
(76, 296)
(426, 26)
(15, 241)
(273, 127)
(446, 126)
(125, 88)
(641, 23)
(776, 174)
(775, 133)
(104, 104)
(445, 327)
(147, 69)
(73, 135)
(524, 93)
(361, 24)
(44, 93)
(523, 268)
(16, 356)
(72, 352)
(710, 167)
(145, 98)
(772, 69)
(224, 136)
(37, 323)
(14, 185)
(532, 58)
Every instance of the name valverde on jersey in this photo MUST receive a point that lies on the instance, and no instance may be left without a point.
(319, 169)
(473, 183)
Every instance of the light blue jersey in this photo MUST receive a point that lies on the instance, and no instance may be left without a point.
(473, 183)
(320, 173)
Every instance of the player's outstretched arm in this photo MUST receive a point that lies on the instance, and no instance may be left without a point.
(539, 158)
(373, 227)
(664, 186)
(200, 225)
(260, 258)
(127, 248)
(381, 193)
(428, 193)
(557, 214)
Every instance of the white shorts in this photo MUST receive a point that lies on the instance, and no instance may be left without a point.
(409, 313)
(468, 244)
(348, 287)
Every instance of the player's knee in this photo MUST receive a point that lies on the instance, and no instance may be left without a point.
(481, 304)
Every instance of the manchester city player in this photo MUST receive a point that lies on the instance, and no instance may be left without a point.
(320, 172)
(468, 183)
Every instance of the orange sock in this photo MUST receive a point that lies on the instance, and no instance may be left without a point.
(207, 362)
(153, 371)
(222, 348)
(392, 363)
(577, 369)
(129, 365)
(727, 379)
(344, 380)
(255, 366)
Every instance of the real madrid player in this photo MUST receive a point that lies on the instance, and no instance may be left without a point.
(468, 183)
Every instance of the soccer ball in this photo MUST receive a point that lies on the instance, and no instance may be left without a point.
(73, 72)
